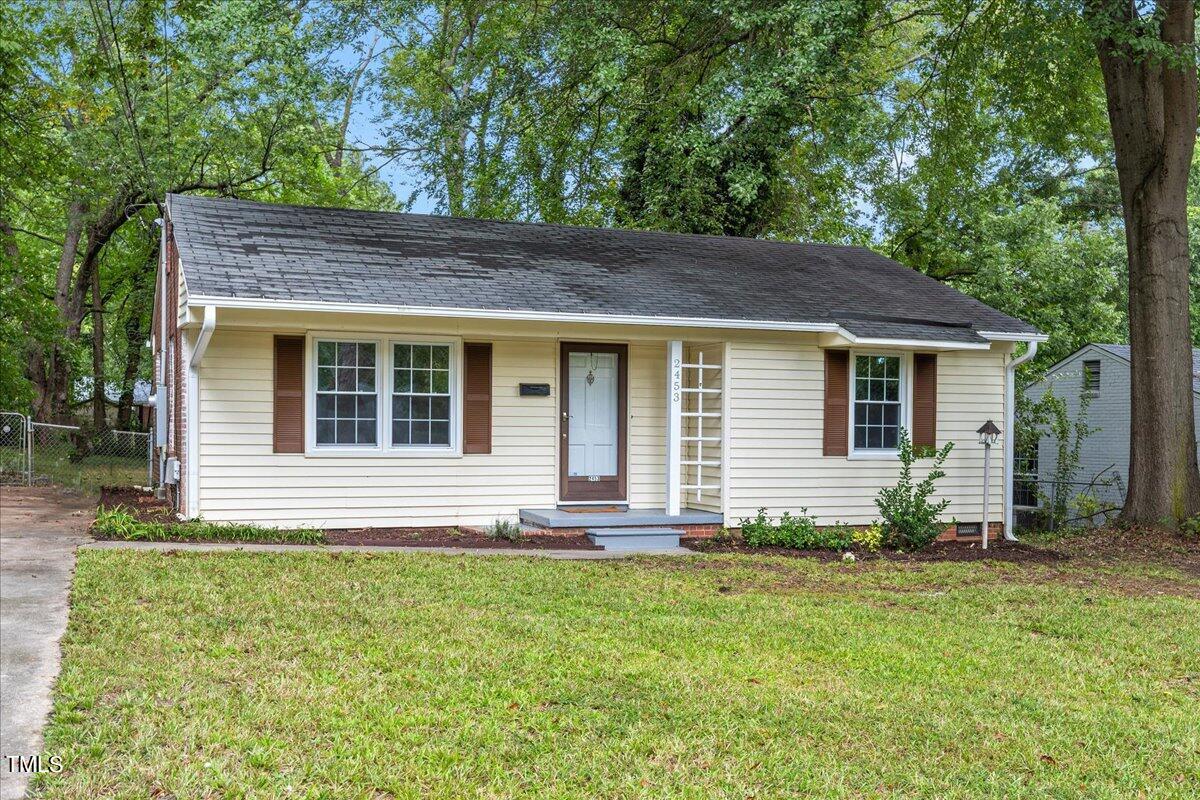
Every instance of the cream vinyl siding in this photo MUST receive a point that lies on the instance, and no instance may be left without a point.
(241, 479)
(775, 388)
(775, 431)
(647, 424)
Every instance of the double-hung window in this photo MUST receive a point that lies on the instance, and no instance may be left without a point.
(347, 394)
(422, 403)
(877, 393)
(387, 396)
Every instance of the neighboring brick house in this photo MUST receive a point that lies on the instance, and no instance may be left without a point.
(349, 368)
(1095, 377)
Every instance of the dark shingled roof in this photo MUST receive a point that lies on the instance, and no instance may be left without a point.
(236, 248)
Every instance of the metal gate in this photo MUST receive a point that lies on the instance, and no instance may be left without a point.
(14, 448)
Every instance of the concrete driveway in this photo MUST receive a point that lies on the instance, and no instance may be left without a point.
(39, 531)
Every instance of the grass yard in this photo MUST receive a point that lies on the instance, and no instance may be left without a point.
(311, 675)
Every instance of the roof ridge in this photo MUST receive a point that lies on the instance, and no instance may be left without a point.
(521, 223)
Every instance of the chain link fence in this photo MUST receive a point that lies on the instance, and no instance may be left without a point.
(1049, 505)
(67, 455)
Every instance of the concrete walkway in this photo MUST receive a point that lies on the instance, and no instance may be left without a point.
(202, 547)
(39, 531)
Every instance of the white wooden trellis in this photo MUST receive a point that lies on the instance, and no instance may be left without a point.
(695, 442)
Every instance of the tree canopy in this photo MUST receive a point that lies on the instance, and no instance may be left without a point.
(967, 140)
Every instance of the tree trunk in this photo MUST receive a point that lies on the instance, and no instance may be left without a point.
(1152, 108)
(99, 385)
(46, 366)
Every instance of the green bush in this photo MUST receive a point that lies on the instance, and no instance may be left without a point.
(119, 523)
(798, 532)
(910, 520)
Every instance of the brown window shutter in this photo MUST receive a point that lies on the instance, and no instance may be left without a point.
(837, 402)
(477, 398)
(924, 417)
(289, 394)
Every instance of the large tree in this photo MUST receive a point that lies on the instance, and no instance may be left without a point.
(1148, 59)
(126, 103)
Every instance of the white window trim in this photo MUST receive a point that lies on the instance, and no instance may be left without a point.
(384, 377)
(456, 417)
(870, 454)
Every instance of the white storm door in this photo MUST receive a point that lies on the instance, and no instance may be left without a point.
(592, 428)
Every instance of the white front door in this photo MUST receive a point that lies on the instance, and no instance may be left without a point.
(592, 427)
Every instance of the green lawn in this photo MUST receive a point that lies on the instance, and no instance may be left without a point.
(331, 676)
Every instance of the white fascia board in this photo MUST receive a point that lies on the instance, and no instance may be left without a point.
(918, 344)
(505, 314)
(1002, 336)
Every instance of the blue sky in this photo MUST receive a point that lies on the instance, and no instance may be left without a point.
(366, 130)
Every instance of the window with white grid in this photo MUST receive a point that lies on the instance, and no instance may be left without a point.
(347, 402)
(878, 411)
(422, 400)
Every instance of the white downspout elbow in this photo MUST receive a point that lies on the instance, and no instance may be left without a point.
(1010, 416)
(206, 332)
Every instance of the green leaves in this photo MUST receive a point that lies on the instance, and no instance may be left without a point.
(911, 520)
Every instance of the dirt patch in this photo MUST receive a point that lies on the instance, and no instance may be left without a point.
(452, 537)
(143, 505)
(27, 507)
(1015, 552)
(1110, 546)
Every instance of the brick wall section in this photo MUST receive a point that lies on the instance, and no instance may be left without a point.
(176, 380)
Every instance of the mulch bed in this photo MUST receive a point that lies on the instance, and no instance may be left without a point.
(453, 537)
(143, 505)
(938, 551)
(147, 508)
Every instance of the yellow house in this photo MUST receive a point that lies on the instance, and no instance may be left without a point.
(340, 368)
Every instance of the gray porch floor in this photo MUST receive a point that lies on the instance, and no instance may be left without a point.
(634, 517)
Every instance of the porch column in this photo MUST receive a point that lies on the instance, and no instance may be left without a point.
(674, 422)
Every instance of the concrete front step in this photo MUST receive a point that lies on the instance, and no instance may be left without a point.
(631, 518)
(634, 539)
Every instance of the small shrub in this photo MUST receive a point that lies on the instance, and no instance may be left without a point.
(1191, 526)
(505, 530)
(799, 532)
(724, 536)
(869, 539)
(911, 521)
(758, 532)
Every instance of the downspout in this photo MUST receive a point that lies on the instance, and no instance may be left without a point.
(1010, 416)
(193, 409)
(162, 409)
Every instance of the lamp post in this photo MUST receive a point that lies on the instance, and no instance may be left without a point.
(988, 434)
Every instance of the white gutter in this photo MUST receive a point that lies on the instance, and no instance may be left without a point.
(267, 304)
(1010, 416)
(1001, 336)
(916, 344)
(193, 409)
(507, 314)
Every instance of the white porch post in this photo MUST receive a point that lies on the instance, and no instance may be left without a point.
(674, 422)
